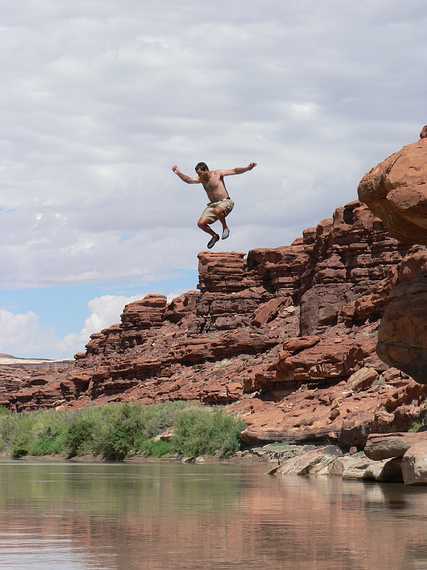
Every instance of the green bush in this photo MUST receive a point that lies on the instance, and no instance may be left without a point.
(47, 433)
(14, 427)
(117, 438)
(201, 432)
(48, 442)
(20, 448)
(78, 438)
(159, 417)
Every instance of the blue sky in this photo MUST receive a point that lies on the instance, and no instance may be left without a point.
(99, 99)
(65, 308)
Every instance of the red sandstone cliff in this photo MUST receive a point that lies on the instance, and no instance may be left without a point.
(285, 336)
(396, 191)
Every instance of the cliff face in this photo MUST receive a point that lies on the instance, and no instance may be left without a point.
(396, 191)
(286, 337)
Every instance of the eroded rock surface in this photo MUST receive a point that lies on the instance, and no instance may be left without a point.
(402, 338)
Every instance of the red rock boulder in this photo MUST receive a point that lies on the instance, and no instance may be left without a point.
(396, 191)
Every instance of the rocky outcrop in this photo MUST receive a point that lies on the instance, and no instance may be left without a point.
(331, 462)
(285, 337)
(396, 191)
(407, 450)
(335, 413)
(31, 380)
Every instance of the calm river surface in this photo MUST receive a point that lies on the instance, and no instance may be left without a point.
(172, 516)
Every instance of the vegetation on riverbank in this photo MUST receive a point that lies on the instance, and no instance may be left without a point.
(115, 432)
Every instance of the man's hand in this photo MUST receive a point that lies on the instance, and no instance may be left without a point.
(251, 165)
(175, 168)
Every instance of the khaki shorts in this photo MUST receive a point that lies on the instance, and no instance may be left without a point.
(215, 210)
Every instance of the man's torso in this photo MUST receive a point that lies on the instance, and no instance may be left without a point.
(215, 187)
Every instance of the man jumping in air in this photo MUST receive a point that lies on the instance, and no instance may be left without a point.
(220, 204)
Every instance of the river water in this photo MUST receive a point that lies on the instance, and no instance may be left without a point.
(172, 516)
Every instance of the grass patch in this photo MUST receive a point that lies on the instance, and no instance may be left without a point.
(115, 432)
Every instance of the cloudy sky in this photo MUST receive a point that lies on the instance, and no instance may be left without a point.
(100, 98)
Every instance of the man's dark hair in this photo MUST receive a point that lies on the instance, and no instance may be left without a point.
(201, 166)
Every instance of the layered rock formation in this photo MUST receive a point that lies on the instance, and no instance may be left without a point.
(396, 191)
(286, 337)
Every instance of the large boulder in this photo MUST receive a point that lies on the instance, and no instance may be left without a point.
(330, 461)
(414, 465)
(314, 462)
(396, 191)
(388, 445)
(362, 468)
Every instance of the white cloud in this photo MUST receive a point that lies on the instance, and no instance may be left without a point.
(22, 334)
(99, 99)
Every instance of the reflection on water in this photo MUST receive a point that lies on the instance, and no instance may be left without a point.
(161, 517)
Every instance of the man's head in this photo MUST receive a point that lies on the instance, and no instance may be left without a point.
(423, 133)
(201, 167)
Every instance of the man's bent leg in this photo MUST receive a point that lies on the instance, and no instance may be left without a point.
(203, 224)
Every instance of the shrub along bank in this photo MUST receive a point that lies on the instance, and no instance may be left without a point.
(115, 432)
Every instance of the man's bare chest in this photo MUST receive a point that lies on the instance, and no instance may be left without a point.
(214, 183)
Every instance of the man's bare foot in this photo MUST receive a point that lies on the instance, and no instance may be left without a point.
(213, 241)
(225, 233)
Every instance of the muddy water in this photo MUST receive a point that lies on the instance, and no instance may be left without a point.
(163, 516)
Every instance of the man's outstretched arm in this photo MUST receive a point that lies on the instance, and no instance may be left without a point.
(184, 177)
(238, 170)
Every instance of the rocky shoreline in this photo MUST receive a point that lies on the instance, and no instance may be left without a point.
(387, 458)
(393, 457)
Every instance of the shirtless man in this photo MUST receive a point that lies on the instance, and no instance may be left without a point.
(220, 204)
